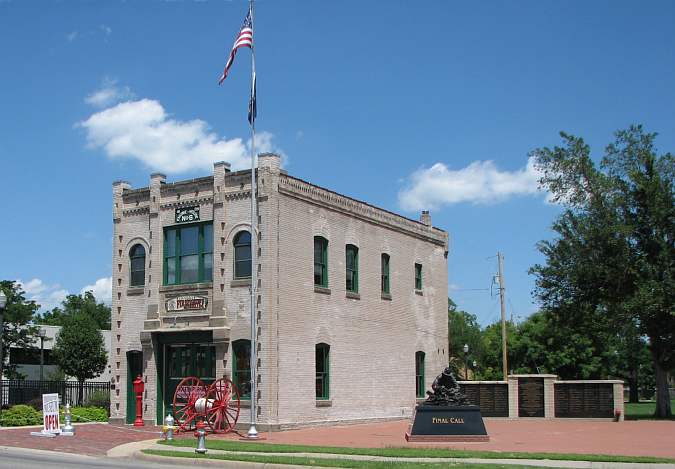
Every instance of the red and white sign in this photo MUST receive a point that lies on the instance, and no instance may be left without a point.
(186, 303)
(50, 413)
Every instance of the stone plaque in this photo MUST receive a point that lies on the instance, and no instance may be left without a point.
(492, 398)
(447, 423)
(187, 214)
(530, 397)
(584, 400)
(187, 303)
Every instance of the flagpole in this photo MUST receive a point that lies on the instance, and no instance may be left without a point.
(252, 431)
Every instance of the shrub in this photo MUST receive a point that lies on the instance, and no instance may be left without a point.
(98, 399)
(20, 415)
(86, 414)
(36, 403)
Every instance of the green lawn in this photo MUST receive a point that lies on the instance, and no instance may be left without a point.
(643, 410)
(409, 452)
(347, 463)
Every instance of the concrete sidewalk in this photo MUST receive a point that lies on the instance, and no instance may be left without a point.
(518, 462)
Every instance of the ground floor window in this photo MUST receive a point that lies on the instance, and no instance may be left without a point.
(241, 367)
(322, 370)
(419, 374)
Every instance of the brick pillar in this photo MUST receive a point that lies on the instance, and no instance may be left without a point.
(513, 396)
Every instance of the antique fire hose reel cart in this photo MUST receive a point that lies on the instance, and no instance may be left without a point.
(216, 403)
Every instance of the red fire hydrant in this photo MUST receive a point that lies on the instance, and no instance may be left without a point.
(139, 387)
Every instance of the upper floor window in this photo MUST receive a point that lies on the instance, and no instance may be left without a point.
(322, 371)
(418, 276)
(419, 374)
(320, 261)
(352, 263)
(385, 273)
(188, 254)
(241, 367)
(242, 255)
(137, 268)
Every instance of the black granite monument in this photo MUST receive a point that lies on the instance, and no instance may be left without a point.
(446, 415)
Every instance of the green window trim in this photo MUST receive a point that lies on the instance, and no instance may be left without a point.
(137, 266)
(385, 274)
(175, 257)
(322, 368)
(352, 268)
(418, 276)
(242, 255)
(320, 261)
(241, 367)
(419, 374)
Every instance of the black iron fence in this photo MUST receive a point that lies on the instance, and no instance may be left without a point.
(17, 391)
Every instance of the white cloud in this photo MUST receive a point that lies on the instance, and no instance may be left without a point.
(71, 36)
(480, 183)
(107, 30)
(47, 296)
(142, 130)
(102, 290)
(108, 94)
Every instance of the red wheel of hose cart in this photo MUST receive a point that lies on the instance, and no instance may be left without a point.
(188, 391)
(222, 406)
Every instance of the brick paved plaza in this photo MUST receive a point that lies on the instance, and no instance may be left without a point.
(634, 438)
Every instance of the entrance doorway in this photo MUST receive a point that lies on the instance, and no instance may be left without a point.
(183, 360)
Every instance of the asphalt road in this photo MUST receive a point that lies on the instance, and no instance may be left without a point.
(19, 458)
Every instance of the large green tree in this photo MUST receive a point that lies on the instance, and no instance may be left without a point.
(80, 350)
(612, 263)
(463, 328)
(79, 304)
(17, 330)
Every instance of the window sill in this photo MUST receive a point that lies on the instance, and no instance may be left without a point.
(245, 403)
(386, 296)
(186, 287)
(240, 282)
(324, 290)
(353, 295)
(419, 292)
(324, 403)
(131, 291)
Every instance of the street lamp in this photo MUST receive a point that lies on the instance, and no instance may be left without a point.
(466, 355)
(42, 332)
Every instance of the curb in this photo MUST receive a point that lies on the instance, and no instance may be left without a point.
(217, 462)
(129, 450)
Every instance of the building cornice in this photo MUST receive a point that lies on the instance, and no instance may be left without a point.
(303, 190)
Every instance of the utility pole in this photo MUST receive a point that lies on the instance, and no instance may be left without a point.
(502, 289)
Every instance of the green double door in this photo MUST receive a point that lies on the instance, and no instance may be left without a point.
(183, 360)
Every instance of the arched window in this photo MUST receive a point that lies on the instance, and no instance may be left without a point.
(242, 255)
(320, 262)
(419, 374)
(352, 263)
(385, 274)
(322, 364)
(137, 271)
(241, 367)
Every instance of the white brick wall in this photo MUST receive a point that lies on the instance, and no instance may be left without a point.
(373, 341)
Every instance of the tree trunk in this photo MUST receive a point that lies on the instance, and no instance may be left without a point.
(663, 410)
(634, 394)
(80, 392)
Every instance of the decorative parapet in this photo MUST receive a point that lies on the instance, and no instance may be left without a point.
(303, 190)
(187, 202)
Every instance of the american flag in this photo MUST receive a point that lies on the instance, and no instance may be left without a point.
(244, 39)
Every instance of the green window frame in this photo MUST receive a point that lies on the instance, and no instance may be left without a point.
(137, 266)
(352, 268)
(188, 254)
(418, 276)
(419, 374)
(320, 261)
(385, 273)
(322, 365)
(242, 255)
(241, 367)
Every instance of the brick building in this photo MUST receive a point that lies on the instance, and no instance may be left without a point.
(352, 299)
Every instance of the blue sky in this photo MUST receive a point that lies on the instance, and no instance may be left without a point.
(405, 105)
